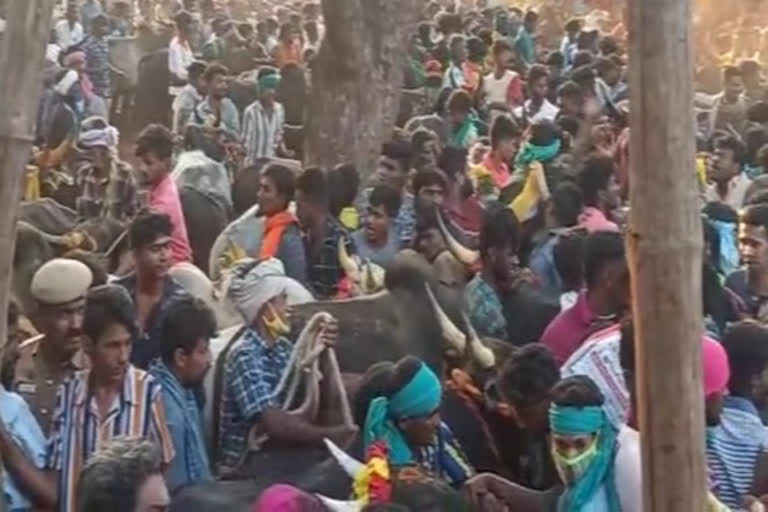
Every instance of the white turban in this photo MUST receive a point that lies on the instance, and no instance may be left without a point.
(106, 137)
(254, 283)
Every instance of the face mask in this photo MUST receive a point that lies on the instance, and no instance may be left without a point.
(571, 469)
(276, 326)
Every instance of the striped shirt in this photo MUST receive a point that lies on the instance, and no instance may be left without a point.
(78, 430)
(262, 131)
(732, 450)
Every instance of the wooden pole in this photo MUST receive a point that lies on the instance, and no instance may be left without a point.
(665, 251)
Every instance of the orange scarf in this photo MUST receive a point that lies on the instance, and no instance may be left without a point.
(273, 233)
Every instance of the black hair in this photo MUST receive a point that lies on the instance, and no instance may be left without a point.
(500, 46)
(500, 229)
(106, 305)
(568, 124)
(755, 139)
(568, 255)
(147, 228)
(476, 49)
(576, 391)
(758, 112)
(601, 248)
(537, 72)
(604, 64)
(528, 375)
(504, 128)
(567, 203)
(584, 76)
(400, 151)
(427, 178)
(155, 139)
(734, 144)
(313, 185)
(285, 30)
(731, 72)
(186, 321)
(383, 379)
(283, 178)
(746, 344)
(543, 132)
(568, 89)
(755, 215)
(425, 219)
(214, 70)
(196, 70)
(343, 182)
(573, 25)
(421, 136)
(555, 58)
(95, 262)
(453, 161)
(608, 46)
(582, 59)
(531, 17)
(387, 197)
(459, 101)
(594, 176)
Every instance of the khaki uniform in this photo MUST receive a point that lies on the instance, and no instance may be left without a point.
(37, 382)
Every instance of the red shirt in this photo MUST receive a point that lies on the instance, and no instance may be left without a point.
(569, 329)
(164, 198)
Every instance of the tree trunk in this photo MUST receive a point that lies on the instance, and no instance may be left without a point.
(356, 80)
(665, 251)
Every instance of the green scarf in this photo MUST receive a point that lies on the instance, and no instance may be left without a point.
(465, 134)
(532, 153)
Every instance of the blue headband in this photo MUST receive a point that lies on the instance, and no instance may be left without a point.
(420, 397)
(576, 421)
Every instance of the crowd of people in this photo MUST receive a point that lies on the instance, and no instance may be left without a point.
(507, 181)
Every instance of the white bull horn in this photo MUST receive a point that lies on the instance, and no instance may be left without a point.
(480, 353)
(349, 464)
(467, 256)
(340, 506)
(346, 261)
(455, 338)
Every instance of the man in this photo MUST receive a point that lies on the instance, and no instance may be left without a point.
(750, 283)
(217, 112)
(430, 188)
(96, 48)
(570, 99)
(462, 120)
(525, 43)
(568, 46)
(263, 122)
(454, 74)
(730, 108)
(493, 173)
(191, 95)
(392, 171)
(124, 475)
(107, 185)
(537, 107)
(736, 443)
(150, 286)
(600, 191)
(121, 20)
(605, 298)
(112, 399)
(728, 182)
(377, 240)
(503, 87)
(89, 11)
(322, 233)
(185, 352)
(255, 365)
(610, 73)
(69, 31)
(59, 288)
(154, 149)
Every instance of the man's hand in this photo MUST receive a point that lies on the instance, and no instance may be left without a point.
(484, 493)
(329, 331)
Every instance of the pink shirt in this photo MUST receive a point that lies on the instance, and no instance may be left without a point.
(569, 329)
(592, 219)
(164, 198)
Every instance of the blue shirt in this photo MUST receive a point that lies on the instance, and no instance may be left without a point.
(251, 373)
(97, 65)
(732, 450)
(25, 431)
(381, 256)
(190, 465)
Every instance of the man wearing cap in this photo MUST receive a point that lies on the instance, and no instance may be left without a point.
(256, 363)
(107, 185)
(59, 288)
(263, 122)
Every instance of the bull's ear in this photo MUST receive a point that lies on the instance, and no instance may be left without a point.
(340, 506)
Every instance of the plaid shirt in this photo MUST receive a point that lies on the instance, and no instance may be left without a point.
(485, 309)
(251, 373)
(147, 347)
(445, 459)
(79, 430)
(97, 65)
(323, 268)
(115, 196)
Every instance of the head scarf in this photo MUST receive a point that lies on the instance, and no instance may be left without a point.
(269, 82)
(716, 368)
(419, 397)
(573, 421)
(254, 284)
(532, 153)
(286, 498)
(108, 137)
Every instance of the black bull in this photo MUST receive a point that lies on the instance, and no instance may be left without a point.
(383, 327)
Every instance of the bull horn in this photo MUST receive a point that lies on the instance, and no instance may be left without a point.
(480, 353)
(455, 338)
(346, 261)
(467, 256)
(349, 464)
(340, 506)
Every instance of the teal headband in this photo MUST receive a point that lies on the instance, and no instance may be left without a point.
(576, 421)
(269, 81)
(420, 397)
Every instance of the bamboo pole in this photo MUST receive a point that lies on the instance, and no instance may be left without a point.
(665, 251)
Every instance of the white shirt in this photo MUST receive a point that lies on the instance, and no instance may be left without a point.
(734, 197)
(67, 35)
(547, 112)
(496, 88)
(179, 58)
(628, 470)
(262, 132)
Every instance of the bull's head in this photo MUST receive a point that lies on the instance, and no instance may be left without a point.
(465, 255)
(457, 340)
(365, 278)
